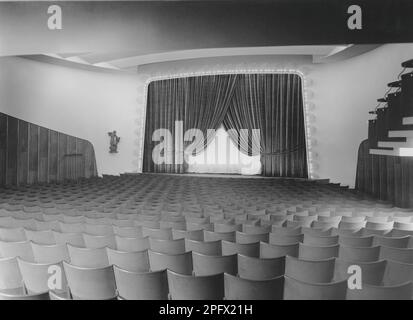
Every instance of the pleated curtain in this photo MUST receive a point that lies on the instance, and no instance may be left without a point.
(199, 102)
(272, 103)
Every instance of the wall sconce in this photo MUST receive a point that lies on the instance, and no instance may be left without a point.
(114, 140)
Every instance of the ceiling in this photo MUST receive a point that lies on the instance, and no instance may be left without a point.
(129, 61)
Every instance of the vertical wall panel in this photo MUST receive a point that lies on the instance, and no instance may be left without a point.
(53, 166)
(12, 141)
(3, 148)
(43, 154)
(23, 164)
(31, 154)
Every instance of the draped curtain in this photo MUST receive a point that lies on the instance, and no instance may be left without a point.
(272, 103)
(200, 102)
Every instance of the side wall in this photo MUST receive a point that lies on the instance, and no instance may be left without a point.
(33, 154)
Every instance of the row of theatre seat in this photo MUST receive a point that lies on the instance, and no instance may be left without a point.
(218, 277)
(159, 237)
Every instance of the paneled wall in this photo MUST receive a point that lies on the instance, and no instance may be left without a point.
(32, 154)
(387, 178)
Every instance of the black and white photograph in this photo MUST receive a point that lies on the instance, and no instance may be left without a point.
(230, 151)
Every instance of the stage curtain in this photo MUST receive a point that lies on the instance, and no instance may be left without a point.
(272, 103)
(199, 102)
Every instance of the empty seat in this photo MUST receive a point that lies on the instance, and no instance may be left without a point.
(247, 249)
(244, 238)
(371, 292)
(359, 254)
(281, 239)
(72, 227)
(286, 231)
(317, 232)
(88, 257)
(130, 232)
(397, 254)
(165, 234)
(37, 276)
(371, 272)
(72, 238)
(251, 229)
(321, 271)
(225, 227)
(35, 296)
(50, 253)
(317, 252)
(314, 240)
(243, 289)
(197, 235)
(214, 236)
(187, 287)
(260, 269)
(167, 246)
(92, 241)
(90, 283)
(275, 251)
(205, 265)
(397, 273)
(212, 248)
(131, 261)
(300, 290)
(141, 286)
(399, 242)
(351, 225)
(180, 263)
(10, 278)
(132, 244)
(99, 229)
(356, 241)
(22, 249)
(41, 237)
(12, 234)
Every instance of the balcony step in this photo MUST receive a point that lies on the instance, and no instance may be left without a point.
(391, 144)
(385, 152)
(408, 121)
(401, 134)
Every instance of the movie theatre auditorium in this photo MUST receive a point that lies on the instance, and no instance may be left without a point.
(324, 210)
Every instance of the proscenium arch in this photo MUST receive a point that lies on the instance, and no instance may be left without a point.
(141, 138)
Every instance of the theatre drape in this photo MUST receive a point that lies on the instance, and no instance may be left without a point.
(272, 103)
(200, 102)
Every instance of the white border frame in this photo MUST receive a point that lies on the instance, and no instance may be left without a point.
(211, 73)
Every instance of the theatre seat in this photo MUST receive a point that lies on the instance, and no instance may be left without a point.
(370, 292)
(317, 252)
(132, 244)
(141, 286)
(300, 290)
(11, 280)
(36, 276)
(187, 287)
(50, 253)
(90, 283)
(88, 257)
(242, 289)
(180, 263)
(371, 272)
(205, 265)
(167, 246)
(397, 254)
(321, 271)
(260, 269)
(131, 261)
(359, 254)
(35, 296)
(397, 273)
(247, 249)
(275, 251)
(22, 249)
